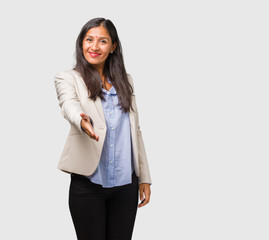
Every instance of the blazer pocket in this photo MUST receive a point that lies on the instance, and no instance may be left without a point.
(71, 134)
(74, 132)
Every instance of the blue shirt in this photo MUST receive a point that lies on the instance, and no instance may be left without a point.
(116, 164)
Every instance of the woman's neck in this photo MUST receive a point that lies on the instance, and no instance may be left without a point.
(100, 70)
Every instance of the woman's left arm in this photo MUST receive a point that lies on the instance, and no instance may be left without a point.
(144, 194)
(144, 179)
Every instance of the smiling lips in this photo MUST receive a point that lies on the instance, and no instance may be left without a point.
(94, 54)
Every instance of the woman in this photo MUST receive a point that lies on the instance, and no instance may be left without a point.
(104, 151)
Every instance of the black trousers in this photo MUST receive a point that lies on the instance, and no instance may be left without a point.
(103, 213)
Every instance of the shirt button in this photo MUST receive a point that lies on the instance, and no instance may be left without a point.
(110, 161)
(111, 145)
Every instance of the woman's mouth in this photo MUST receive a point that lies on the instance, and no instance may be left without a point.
(94, 54)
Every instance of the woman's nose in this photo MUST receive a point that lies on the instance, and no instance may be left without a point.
(95, 46)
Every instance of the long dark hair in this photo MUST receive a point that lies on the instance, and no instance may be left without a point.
(114, 68)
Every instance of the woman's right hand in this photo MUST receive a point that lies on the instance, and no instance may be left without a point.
(87, 126)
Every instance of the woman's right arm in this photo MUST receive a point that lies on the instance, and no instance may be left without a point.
(70, 104)
(68, 99)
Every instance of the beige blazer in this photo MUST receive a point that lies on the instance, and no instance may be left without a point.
(81, 154)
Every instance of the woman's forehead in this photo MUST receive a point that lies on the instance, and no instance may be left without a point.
(98, 32)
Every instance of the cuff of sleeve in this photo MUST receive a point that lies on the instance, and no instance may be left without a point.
(144, 181)
(91, 121)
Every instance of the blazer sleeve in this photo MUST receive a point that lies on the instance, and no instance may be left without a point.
(142, 156)
(68, 99)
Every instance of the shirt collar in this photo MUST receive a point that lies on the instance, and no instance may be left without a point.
(112, 90)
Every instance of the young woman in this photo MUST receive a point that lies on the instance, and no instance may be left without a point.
(104, 151)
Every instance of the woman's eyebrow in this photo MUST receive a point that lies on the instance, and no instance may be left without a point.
(96, 37)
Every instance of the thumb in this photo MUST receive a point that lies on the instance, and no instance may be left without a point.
(141, 193)
(84, 116)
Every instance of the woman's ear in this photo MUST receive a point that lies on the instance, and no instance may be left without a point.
(113, 47)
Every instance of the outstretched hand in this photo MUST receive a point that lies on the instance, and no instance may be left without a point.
(87, 126)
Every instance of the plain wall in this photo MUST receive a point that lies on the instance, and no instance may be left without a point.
(200, 70)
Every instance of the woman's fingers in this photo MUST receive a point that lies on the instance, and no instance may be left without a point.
(85, 117)
(141, 193)
(87, 127)
(90, 132)
(144, 190)
(96, 137)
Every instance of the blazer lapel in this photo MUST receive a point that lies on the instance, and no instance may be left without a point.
(132, 120)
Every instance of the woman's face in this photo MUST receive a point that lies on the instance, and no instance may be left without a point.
(96, 46)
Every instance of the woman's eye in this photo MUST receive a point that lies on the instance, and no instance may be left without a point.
(89, 39)
(103, 41)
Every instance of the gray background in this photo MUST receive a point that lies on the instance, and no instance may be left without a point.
(200, 70)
